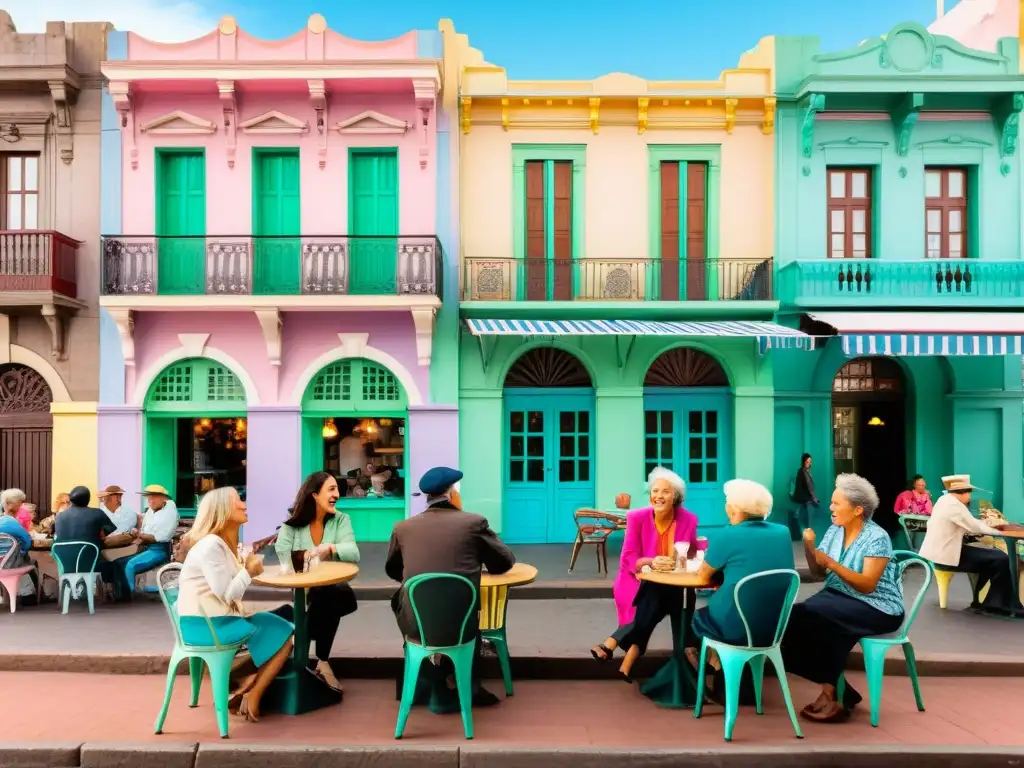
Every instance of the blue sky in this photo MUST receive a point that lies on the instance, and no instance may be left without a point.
(657, 39)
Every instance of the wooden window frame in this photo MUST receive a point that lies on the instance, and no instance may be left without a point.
(946, 205)
(6, 194)
(848, 205)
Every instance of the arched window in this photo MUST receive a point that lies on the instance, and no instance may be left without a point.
(686, 367)
(355, 384)
(195, 383)
(547, 367)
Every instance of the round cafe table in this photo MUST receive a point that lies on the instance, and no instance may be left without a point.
(674, 686)
(1012, 536)
(296, 690)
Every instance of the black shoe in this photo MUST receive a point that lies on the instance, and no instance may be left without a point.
(484, 698)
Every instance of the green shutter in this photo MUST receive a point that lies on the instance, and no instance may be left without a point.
(312, 445)
(276, 211)
(160, 453)
(355, 386)
(373, 211)
(181, 211)
(198, 387)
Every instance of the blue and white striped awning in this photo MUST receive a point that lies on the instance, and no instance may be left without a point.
(928, 334)
(770, 335)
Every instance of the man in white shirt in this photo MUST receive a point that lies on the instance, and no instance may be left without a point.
(121, 515)
(943, 544)
(153, 538)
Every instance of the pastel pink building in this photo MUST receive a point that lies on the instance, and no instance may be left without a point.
(978, 24)
(273, 266)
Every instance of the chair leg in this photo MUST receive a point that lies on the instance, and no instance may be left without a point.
(757, 671)
(413, 661)
(775, 655)
(576, 546)
(172, 669)
(90, 592)
(220, 681)
(942, 579)
(68, 588)
(874, 669)
(908, 654)
(464, 682)
(732, 668)
(504, 661)
(698, 706)
(195, 672)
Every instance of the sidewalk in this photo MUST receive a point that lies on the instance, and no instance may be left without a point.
(542, 714)
(547, 638)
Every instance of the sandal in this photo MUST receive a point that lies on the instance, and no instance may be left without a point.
(608, 653)
(833, 712)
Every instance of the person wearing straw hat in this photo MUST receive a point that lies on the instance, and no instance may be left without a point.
(153, 537)
(944, 545)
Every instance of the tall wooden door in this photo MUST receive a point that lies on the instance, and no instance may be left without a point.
(690, 432)
(277, 220)
(549, 262)
(26, 434)
(684, 271)
(373, 222)
(180, 218)
(549, 463)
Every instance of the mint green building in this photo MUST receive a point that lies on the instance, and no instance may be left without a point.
(899, 231)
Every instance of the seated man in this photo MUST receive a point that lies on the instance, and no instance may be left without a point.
(154, 537)
(125, 518)
(444, 539)
(80, 522)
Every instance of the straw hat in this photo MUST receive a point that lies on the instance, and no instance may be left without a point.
(111, 490)
(957, 483)
(155, 490)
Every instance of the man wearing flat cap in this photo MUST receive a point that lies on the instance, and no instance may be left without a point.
(444, 539)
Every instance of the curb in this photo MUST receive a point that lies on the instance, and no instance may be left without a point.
(241, 755)
(523, 668)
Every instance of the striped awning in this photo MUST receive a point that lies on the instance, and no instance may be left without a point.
(927, 334)
(770, 335)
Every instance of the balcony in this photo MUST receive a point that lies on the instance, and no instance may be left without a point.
(932, 283)
(249, 265)
(616, 280)
(37, 267)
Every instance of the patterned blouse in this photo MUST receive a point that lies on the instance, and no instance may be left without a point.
(872, 541)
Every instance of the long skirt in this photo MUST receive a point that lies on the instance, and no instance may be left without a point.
(264, 633)
(824, 628)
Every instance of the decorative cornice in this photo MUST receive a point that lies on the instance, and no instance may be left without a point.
(813, 104)
(318, 100)
(955, 140)
(372, 122)
(642, 105)
(595, 113)
(64, 97)
(904, 118)
(853, 141)
(274, 123)
(1006, 114)
(768, 126)
(426, 98)
(121, 94)
(466, 113)
(730, 114)
(178, 123)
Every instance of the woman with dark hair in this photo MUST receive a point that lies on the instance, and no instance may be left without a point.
(315, 529)
(803, 492)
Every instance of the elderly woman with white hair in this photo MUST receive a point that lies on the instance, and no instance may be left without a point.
(862, 597)
(650, 542)
(749, 545)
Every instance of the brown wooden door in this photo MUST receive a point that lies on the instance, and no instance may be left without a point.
(562, 218)
(536, 233)
(669, 231)
(25, 459)
(696, 240)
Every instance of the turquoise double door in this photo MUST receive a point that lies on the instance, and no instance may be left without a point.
(549, 463)
(690, 431)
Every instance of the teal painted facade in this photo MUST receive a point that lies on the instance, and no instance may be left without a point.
(896, 106)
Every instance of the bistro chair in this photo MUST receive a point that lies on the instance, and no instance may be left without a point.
(443, 605)
(10, 578)
(735, 658)
(594, 527)
(875, 648)
(217, 658)
(86, 555)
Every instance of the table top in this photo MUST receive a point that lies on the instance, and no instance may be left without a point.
(47, 543)
(322, 575)
(1012, 533)
(520, 574)
(676, 579)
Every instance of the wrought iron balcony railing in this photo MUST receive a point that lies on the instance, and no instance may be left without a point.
(336, 265)
(38, 260)
(624, 279)
(924, 282)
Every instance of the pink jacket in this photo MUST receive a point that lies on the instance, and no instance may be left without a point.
(25, 518)
(642, 541)
(907, 503)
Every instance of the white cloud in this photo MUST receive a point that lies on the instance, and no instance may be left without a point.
(167, 21)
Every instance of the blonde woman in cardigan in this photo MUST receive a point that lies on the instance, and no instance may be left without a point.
(210, 588)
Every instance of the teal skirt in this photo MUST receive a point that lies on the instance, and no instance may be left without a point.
(263, 633)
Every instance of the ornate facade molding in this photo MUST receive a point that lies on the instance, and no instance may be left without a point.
(274, 123)
(318, 100)
(121, 94)
(229, 106)
(178, 123)
(64, 97)
(426, 98)
(372, 122)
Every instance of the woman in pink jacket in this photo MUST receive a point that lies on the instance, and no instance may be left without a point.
(651, 536)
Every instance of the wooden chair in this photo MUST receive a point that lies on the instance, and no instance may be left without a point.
(594, 527)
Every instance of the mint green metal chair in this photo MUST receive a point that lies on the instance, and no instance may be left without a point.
(84, 572)
(443, 604)
(875, 648)
(218, 657)
(734, 658)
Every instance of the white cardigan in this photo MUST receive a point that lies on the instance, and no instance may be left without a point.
(949, 522)
(212, 580)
